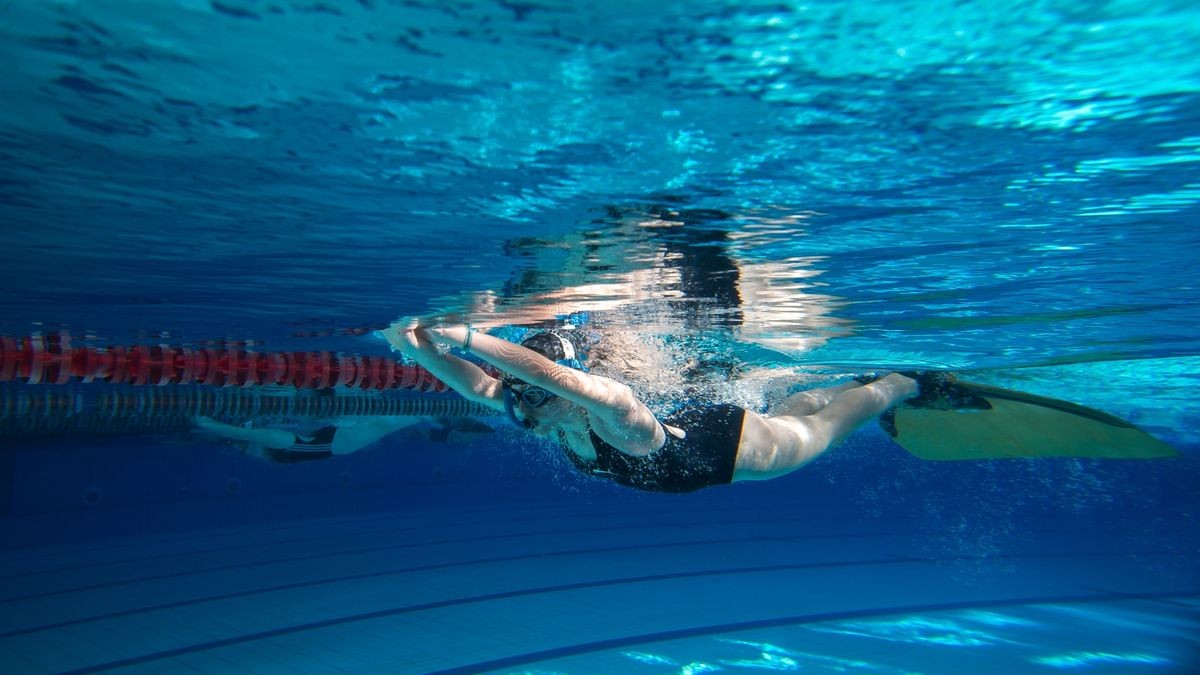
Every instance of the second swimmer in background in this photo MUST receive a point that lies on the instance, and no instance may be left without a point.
(287, 444)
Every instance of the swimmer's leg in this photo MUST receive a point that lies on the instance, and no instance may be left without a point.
(270, 438)
(774, 446)
(357, 436)
(810, 401)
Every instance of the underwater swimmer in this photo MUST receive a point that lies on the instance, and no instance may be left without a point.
(607, 431)
(338, 436)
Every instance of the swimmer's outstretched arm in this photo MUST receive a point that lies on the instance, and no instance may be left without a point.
(461, 375)
(615, 413)
(358, 435)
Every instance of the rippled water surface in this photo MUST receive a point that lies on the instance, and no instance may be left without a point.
(983, 184)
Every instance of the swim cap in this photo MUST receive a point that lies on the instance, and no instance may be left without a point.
(555, 346)
(550, 345)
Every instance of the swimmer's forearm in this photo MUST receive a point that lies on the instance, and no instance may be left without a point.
(611, 404)
(599, 395)
(460, 375)
(524, 364)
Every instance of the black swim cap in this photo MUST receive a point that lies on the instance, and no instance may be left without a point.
(550, 345)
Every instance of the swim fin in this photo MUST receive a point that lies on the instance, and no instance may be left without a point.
(956, 420)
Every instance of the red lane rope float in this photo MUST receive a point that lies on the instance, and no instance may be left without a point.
(50, 359)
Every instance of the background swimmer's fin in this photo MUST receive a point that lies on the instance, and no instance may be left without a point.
(1016, 424)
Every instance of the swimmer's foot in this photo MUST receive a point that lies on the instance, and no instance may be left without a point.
(941, 391)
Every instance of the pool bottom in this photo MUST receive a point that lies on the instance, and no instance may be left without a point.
(597, 587)
(1154, 634)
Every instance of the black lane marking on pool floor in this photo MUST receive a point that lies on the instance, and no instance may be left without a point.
(399, 530)
(1120, 595)
(888, 557)
(559, 512)
(285, 542)
(378, 573)
(547, 511)
(796, 620)
(488, 597)
(505, 595)
(410, 545)
(314, 523)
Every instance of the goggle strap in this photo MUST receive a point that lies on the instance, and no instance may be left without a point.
(509, 408)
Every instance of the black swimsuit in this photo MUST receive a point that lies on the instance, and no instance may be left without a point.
(320, 447)
(705, 457)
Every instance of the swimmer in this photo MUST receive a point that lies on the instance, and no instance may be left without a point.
(606, 430)
(336, 437)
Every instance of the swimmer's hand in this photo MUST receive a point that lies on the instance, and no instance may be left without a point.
(402, 335)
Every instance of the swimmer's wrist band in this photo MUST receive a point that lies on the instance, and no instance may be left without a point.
(467, 342)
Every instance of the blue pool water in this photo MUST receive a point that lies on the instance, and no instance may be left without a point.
(1007, 190)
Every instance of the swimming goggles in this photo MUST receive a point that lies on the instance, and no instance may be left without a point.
(534, 397)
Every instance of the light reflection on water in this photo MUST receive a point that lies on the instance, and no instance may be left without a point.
(917, 184)
(1123, 638)
(671, 272)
